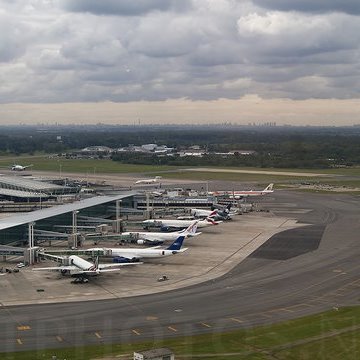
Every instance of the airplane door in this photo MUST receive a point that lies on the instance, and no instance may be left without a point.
(163, 253)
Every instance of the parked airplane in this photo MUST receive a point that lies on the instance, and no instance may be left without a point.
(133, 255)
(78, 267)
(156, 179)
(244, 194)
(168, 224)
(160, 237)
(216, 214)
(17, 167)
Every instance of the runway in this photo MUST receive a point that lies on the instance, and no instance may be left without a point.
(301, 272)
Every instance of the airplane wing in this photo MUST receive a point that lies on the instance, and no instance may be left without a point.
(116, 266)
(108, 270)
(196, 234)
(57, 268)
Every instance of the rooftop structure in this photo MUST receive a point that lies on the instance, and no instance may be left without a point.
(155, 354)
(29, 185)
(23, 219)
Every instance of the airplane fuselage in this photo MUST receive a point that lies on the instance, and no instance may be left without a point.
(177, 224)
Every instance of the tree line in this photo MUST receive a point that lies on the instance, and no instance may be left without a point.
(303, 147)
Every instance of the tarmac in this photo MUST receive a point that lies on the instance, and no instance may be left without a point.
(210, 255)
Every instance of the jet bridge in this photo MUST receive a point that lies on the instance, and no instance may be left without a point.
(26, 253)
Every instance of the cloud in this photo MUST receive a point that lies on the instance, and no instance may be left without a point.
(12, 44)
(124, 7)
(68, 51)
(351, 7)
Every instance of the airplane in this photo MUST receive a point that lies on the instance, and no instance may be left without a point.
(134, 255)
(78, 267)
(156, 179)
(244, 194)
(160, 237)
(216, 214)
(168, 224)
(17, 167)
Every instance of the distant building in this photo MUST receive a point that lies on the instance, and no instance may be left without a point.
(97, 149)
(155, 354)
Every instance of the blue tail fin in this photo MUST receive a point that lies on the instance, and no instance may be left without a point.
(176, 245)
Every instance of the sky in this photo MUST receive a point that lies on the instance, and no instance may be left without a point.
(180, 61)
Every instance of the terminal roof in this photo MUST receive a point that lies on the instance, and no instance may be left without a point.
(22, 219)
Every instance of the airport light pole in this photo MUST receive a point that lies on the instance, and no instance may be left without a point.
(74, 227)
(31, 241)
(118, 207)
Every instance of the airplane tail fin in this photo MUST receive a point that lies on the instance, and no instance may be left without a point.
(191, 229)
(212, 221)
(213, 213)
(176, 245)
(269, 187)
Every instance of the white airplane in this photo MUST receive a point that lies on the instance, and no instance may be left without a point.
(134, 255)
(160, 237)
(244, 194)
(78, 267)
(216, 214)
(17, 167)
(168, 224)
(156, 179)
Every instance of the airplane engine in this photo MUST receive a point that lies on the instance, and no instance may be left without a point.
(140, 242)
(120, 260)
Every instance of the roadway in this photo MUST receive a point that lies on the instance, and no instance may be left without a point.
(304, 272)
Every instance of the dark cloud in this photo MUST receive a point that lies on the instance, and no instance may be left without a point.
(215, 49)
(124, 7)
(345, 6)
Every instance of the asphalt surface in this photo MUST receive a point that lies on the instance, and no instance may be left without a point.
(298, 272)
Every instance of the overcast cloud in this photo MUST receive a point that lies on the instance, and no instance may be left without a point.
(54, 51)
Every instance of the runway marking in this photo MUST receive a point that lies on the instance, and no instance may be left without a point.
(206, 325)
(285, 309)
(23, 327)
(98, 335)
(135, 332)
(337, 271)
(151, 318)
(19, 341)
(319, 300)
(172, 328)
(59, 338)
(281, 309)
(236, 320)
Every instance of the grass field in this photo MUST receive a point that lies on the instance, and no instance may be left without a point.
(331, 335)
(277, 176)
(91, 166)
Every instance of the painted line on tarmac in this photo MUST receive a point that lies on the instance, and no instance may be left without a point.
(135, 332)
(172, 328)
(59, 338)
(237, 320)
(98, 335)
(19, 341)
(206, 325)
